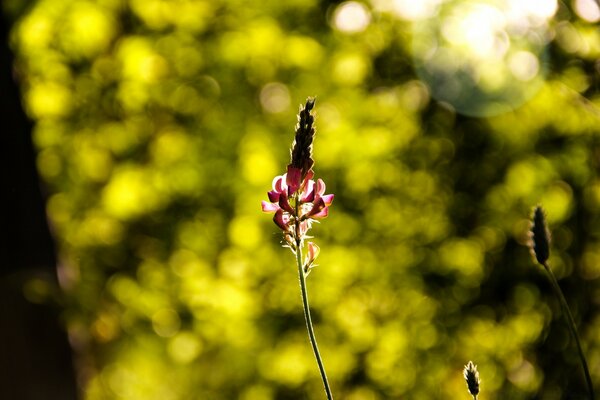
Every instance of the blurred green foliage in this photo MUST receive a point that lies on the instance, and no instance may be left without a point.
(159, 126)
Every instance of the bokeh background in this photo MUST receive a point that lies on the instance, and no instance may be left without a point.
(159, 125)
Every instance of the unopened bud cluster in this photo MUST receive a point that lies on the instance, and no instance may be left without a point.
(539, 236)
(472, 378)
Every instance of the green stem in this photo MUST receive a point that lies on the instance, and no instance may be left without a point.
(309, 325)
(572, 327)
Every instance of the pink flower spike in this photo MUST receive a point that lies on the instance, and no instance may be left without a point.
(293, 179)
(320, 187)
(273, 196)
(284, 203)
(269, 207)
(281, 220)
(328, 199)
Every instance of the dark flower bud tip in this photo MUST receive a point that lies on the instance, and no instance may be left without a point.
(539, 236)
(472, 377)
(301, 153)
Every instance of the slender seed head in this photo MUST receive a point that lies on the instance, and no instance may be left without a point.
(539, 242)
(301, 152)
(472, 377)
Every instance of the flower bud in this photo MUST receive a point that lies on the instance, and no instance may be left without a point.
(539, 236)
(472, 377)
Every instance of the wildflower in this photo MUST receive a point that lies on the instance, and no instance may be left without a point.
(472, 377)
(296, 199)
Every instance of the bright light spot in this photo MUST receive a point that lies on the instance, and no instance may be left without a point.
(302, 52)
(587, 10)
(480, 31)
(543, 9)
(350, 69)
(538, 11)
(245, 232)
(131, 192)
(275, 97)
(184, 347)
(169, 146)
(524, 65)
(482, 57)
(140, 61)
(415, 9)
(87, 30)
(36, 31)
(522, 16)
(48, 99)
(351, 17)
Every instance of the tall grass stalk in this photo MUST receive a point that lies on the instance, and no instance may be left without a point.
(540, 249)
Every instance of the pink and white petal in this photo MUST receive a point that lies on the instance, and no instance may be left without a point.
(308, 191)
(328, 199)
(320, 187)
(281, 220)
(321, 214)
(313, 252)
(308, 197)
(269, 207)
(279, 183)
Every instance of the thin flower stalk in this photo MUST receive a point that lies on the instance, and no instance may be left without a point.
(540, 248)
(297, 202)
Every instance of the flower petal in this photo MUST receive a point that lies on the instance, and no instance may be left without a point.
(308, 177)
(269, 207)
(279, 183)
(304, 227)
(293, 179)
(328, 199)
(313, 252)
(317, 207)
(308, 191)
(284, 203)
(273, 196)
(308, 197)
(281, 219)
(321, 214)
(320, 187)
